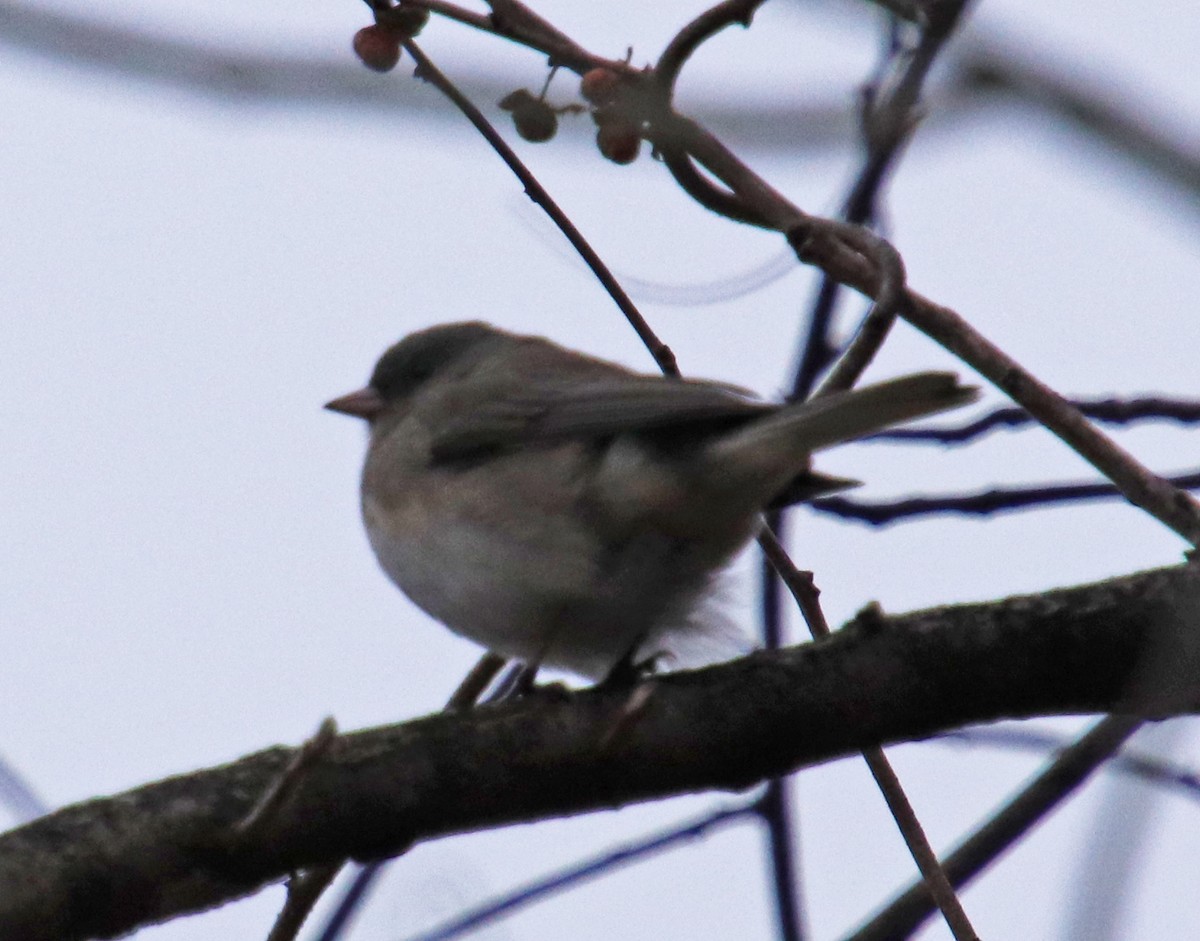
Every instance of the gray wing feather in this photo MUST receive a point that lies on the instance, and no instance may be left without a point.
(596, 408)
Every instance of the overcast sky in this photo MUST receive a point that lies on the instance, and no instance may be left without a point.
(187, 278)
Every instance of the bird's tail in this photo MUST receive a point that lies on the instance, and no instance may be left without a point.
(770, 451)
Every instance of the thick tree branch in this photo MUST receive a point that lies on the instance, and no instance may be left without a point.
(101, 868)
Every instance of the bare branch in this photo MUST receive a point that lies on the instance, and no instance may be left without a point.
(636, 851)
(1168, 504)
(998, 500)
(1113, 411)
(1061, 778)
(162, 850)
(1146, 768)
(660, 351)
(1046, 81)
(805, 592)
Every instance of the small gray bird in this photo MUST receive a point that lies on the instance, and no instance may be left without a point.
(569, 512)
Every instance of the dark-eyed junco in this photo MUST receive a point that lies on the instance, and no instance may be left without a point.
(566, 511)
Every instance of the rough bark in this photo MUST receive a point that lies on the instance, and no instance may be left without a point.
(104, 867)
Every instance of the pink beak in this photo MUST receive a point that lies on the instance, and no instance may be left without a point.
(365, 403)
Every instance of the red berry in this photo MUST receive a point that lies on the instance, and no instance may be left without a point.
(378, 48)
(599, 85)
(619, 141)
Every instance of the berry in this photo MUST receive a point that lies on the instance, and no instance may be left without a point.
(377, 47)
(599, 85)
(520, 98)
(534, 119)
(536, 124)
(619, 141)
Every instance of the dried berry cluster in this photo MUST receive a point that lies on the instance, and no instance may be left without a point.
(618, 136)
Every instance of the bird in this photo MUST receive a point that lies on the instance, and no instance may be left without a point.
(568, 512)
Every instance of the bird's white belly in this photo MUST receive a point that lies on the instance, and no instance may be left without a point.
(536, 596)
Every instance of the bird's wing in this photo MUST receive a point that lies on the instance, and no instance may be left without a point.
(595, 408)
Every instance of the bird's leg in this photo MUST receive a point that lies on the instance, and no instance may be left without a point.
(629, 671)
(524, 682)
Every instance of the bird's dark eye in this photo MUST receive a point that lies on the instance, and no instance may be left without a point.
(420, 356)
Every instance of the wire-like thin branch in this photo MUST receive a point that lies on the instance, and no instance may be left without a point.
(285, 785)
(1146, 768)
(351, 901)
(1171, 506)
(635, 851)
(913, 10)
(889, 115)
(1113, 411)
(704, 191)
(18, 796)
(775, 811)
(998, 500)
(935, 881)
(464, 697)
(1059, 780)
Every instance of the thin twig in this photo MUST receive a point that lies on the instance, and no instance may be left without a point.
(475, 682)
(998, 500)
(303, 892)
(776, 807)
(1068, 90)
(429, 72)
(352, 899)
(18, 796)
(303, 889)
(1171, 506)
(286, 784)
(805, 592)
(518, 898)
(934, 877)
(905, 914)
(1113, 411)
(775, 811)
(1146, 768)
(879, 320)
(889, 115)
(703, 190)
(464, 696)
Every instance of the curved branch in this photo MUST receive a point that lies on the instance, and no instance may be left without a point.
(704, 191)
(165, 849)
(695, 33)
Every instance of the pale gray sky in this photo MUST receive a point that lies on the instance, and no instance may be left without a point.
(187, 280)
